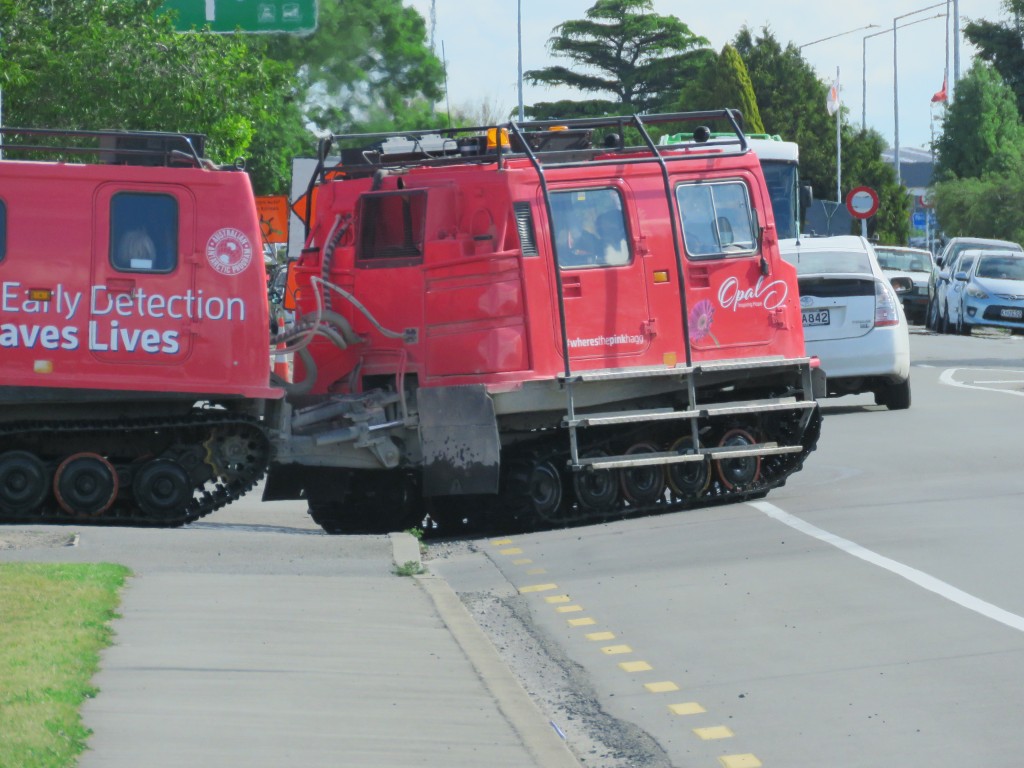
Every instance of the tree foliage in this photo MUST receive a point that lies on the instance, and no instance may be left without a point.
(982, 131)
(367, 67)
(93, 65)
(791, 100)
(118, 64)
(621, 48)
(989, 206)
(1002, 46)
(724, 82)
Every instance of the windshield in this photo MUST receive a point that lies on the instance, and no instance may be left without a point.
(829, 262)
(782, 181)
(908, 261)
(1001, 267)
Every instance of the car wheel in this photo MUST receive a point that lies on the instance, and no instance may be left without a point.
(895, 397)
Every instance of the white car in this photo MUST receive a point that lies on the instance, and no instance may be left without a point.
(908, 269)
(853, 320)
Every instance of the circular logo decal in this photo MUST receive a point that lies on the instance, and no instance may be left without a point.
(229, 251)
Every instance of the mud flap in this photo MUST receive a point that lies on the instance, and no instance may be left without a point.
(459, 435)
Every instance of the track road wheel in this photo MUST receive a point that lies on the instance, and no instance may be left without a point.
(689, 479)
(85, 484)
(543, 488)
(162, 489)
(24, 482)
(738, 473)
(644, 484)
(596, 490)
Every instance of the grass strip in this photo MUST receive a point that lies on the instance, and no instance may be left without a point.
(54, 620)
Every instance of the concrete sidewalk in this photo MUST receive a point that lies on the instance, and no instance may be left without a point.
(256, 664)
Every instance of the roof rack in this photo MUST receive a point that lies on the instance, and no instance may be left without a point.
(151, 148)
(583, 140)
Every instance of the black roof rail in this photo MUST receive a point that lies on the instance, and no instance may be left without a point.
(554, 142)
(117, 147)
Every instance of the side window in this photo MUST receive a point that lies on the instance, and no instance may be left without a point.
(392, 226)
(3, 230)
(716, 218)
(590, 228)
(143, 232)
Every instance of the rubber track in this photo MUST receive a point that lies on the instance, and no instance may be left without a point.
(775, 470)
(213, 495)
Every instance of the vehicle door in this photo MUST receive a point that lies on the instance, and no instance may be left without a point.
(733, 298)
(142, 303)
(607, 311)
(955, 288)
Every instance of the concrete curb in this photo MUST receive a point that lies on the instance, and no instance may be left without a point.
(536, 732)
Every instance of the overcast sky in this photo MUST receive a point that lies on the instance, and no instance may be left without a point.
(480, 45)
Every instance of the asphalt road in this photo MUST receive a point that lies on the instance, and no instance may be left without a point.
(869, 613)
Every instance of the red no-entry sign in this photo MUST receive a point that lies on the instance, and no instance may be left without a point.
(862, 202)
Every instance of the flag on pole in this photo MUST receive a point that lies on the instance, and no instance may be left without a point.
(940, 95)
(832, 103)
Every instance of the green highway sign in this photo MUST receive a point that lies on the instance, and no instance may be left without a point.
(294, 16)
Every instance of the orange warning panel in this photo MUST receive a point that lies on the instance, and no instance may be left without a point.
(273, 211)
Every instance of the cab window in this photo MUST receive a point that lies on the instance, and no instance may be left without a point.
(590, 228)
(143, 232)
(716, 219)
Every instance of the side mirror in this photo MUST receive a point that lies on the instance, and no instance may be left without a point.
(961, 276)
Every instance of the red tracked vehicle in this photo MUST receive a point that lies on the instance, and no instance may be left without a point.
(539, 323)
(559, 328)
(133, 329)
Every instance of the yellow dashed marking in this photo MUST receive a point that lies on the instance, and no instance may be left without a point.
(501, 542)
(635, 666)
(614, 650)
(714, 732)
(536, 571)
(557, 599)
(537, 588)
(688, 708)
(739, 761)
(581, 622)
(664, 687)
(522, 561)
(511, 551)
(569, 608)
(601, 636)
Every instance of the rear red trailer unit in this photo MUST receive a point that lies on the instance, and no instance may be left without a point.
(134, 329)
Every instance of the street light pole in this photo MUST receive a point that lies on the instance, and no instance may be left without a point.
(519, 27)
(896, 87)
(864, 65)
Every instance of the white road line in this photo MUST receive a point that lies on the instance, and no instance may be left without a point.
(946, 377)
(920, 578)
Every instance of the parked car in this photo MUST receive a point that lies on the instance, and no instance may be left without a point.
(853, 320)
(990, 291)
(908, 270)
(945, 261)
(944, 286)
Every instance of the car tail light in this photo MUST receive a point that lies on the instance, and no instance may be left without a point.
(886, 312)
